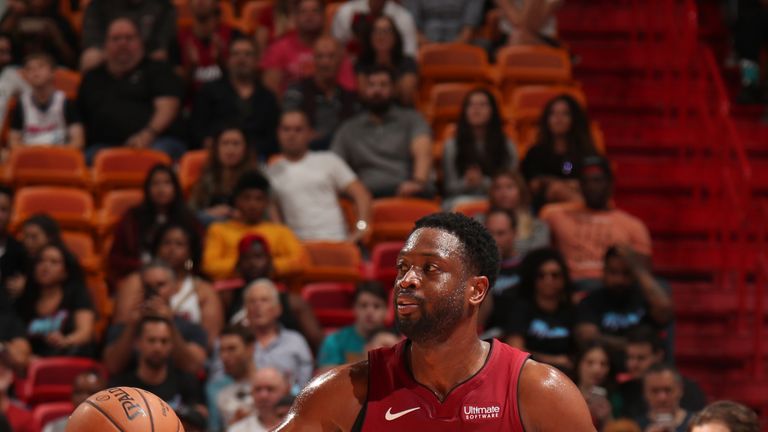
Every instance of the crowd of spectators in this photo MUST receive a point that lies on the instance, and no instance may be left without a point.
(292, 116)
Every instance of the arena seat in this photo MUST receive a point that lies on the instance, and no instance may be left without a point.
(50, 166)
(393, 218)
(72, 208)
(332, 261)
(472, 208)
(67, 81)
(528, 102)
(124, 168)
(382, 266)
(331, 302)
(249, 15)
(452, 62)
(48, 412)
(49, 379)
(190, 168)
(84, 248)
(114, 204)
(531, 64)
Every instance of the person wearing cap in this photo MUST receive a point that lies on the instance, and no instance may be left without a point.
(251, 198)
(584, 230)
(307, 186)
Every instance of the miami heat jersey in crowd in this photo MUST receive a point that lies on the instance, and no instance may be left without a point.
(488, 401)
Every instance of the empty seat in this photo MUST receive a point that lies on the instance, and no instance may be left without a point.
(67, 81)
(332, 261)
(50, 166)
(49, 379)
(452, 62)
(72, 208)
(190, 168)
(331, 302)
(393, 218)
(48, 412)
(531, 64)
(124, 168)
(84, 248)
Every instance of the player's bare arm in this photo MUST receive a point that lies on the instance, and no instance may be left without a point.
(331, 402)
(549, 401)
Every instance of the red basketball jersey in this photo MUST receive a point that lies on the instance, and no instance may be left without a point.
(488, 401)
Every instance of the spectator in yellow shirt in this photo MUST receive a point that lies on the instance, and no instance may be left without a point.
(251, 199)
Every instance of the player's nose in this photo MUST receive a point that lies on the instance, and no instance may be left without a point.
(410, 279)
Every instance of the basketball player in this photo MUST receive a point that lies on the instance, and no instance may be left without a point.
(442, 377)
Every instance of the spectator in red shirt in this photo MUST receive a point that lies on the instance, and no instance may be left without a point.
(291, 58)
(204, 46)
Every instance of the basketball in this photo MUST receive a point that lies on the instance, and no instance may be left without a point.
(124, 409)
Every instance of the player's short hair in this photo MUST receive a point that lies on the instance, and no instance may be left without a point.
(480, 250)
(735, 416)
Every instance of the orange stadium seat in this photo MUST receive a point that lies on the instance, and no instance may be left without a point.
(332, 261)
(114, 204)
(331, 302)
(393, 218)
(472, 208)
(50, 379)
(452, 62)
(72, 208)
(48, 412)
(52, 166)
(446, 101)
(124, 168)
(84, 248)
(190, 167)
(67, 81)
(102, 301)
(528, 102)
(531, 64)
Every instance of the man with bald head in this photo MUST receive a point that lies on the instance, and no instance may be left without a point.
(275, 345)
(325, 102)
(130, 100)
(268, 387)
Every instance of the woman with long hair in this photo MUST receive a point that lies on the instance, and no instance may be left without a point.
(478, 151)
(384, 47)
(37, 231)
(542, 319)
(190, 297)
(551, 166)
(163, 202)
(56, 306)
(596, 378)
(228, 158)
(509, 191)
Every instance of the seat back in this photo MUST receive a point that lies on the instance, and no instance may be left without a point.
(123, 168)
(114, 204)
(532, 64)
(249, 15)
(48, 412)
(67, 81)
(50, 378)
(190, 168)
(72, 208)
(84, 248)
(47, 166)
(384, 261)
(331, 302)
(332, 261)
(528, 102)
(393, 218)
(452, 62)
(472, 208)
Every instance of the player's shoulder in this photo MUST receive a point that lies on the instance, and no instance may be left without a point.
(543, 387)
(331, 401)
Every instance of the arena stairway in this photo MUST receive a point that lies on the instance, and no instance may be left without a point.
(682, 165)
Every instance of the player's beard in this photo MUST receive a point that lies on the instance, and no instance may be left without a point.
(437, 325)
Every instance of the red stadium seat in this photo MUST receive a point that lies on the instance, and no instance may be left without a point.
(49, 379)
(48, 412)
(331, 302)
(383, 261)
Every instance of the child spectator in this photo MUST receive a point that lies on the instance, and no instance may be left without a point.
(347, 344)
(44, 116)
(383, 46)
(478, 151)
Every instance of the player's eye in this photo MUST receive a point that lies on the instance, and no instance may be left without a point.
(431, 268)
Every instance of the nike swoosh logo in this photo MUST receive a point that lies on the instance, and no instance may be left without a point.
(389, 416)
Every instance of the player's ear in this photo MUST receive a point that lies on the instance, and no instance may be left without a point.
(478, 289)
